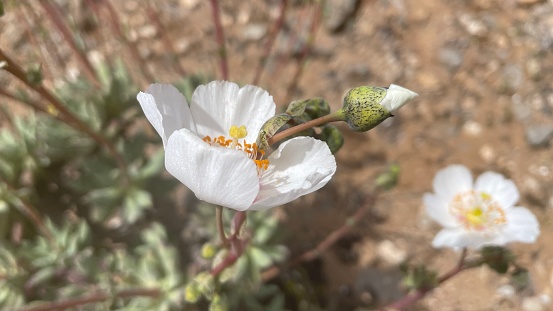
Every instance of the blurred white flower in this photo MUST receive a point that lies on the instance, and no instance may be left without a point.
(210, 147)
(479, 214)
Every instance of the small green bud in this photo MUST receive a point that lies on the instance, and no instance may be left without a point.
(333, 138)
(206, 284)
(192, 292)
(497, 258)
(367, 106)
(317, 107)
(218, 303)
(208, 250)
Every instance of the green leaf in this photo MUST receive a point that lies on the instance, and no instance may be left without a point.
(259, 257)
(103, 203)
(154, 166)
(135, 203)
(265, 231)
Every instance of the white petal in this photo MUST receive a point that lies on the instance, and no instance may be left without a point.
(522, 226)
(216, 175)
(218, 105)
(437, 209)
(300, 166)
(452, 180)
(502, 190)
(459, 238)
(166, 109)
(396, 97)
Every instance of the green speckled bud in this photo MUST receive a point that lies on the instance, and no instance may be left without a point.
(362, 108)
(333, 138)
(367, 106)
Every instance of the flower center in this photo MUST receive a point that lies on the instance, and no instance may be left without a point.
(477, 211)
(236, 134)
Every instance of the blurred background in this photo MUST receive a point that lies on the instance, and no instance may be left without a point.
(87, 210)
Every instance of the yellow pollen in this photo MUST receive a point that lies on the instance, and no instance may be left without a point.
(477, 211)
(252, 150)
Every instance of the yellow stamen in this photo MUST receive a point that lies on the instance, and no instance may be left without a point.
(252, 150)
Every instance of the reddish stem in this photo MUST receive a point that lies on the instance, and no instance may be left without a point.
(57, 19)
(420, 293)
(325, 244)
(270, 41)
(237, 245)
(220, 37)
(94, 298)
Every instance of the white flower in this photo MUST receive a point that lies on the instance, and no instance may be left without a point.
(479, 214)
(396, 97)
(210, 148)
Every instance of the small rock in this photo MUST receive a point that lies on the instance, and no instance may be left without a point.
(538, 135)
(520, 109)
(339, 13)
(182, 46)
(533, 68)
(487, 153)
(473, 26)
(533, 303)
(505, 292)
(390, 253)
(254, 32)
(147, 31)
(511, 78)
(451, 58)
(472, 128)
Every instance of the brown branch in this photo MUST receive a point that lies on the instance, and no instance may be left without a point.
(420, 293)
(167, 42)
(56, 18)
(300, 62)
(325, 244)
(270, 41)
(29, 211)
(94, 298)
(220, 37)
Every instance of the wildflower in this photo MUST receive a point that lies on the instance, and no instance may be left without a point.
(479, 214)
(210, 147)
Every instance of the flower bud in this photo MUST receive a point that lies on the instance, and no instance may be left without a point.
(367, 106)
(208, 250)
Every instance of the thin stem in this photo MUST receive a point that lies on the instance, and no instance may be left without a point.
(94, 298)
(220, 226)
(220, 37)
(32, 38)
(167, 42)
(29, 211)
(237, 245)
(70, 118)
(336, 116)
(420, 293)
(300, 63)
(325, 244)
(132, 47)
(56, 18)
(270, 41)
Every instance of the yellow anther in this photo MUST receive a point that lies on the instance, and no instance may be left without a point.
(485, 196)
(476, 217)
(238, 132)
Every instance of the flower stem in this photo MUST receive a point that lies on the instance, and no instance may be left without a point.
(94, 298)
(333, 117)
(237, 245)
(220, 37)
(421, 292)
(325, 244)
(220, 226)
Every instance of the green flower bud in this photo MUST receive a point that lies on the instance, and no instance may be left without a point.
(333, 138)
(192, 292)
(208, 250)
(317, 107)
(367, 106)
